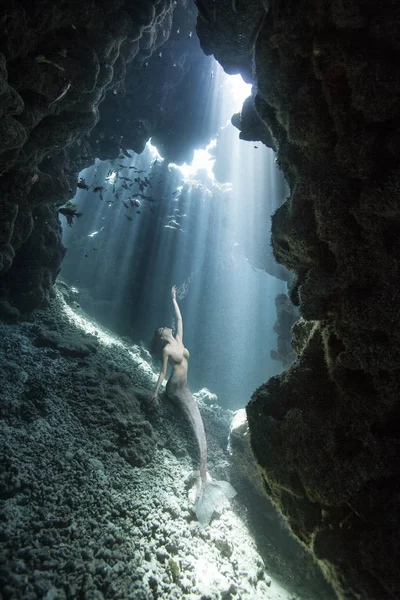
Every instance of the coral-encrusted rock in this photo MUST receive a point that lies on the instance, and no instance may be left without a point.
(287, 314)
(228, 30)
(251, 127)
(38, 262)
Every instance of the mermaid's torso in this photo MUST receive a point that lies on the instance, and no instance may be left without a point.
(177, 391)
(178, 357)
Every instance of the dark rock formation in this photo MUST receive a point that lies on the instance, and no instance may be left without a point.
(228, 29)
(251, 127)
(326, 432)
(36, 265)
(263, 516)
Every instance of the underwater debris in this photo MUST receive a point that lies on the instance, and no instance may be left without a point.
(95, 232)
(61, 94)
(40, 58)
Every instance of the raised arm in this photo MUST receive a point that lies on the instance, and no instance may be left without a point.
(179, 322)
(162, 373)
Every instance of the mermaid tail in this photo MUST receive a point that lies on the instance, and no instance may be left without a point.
(207, 495)
(211, 495)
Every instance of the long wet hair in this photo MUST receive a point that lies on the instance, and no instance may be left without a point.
(157, 344)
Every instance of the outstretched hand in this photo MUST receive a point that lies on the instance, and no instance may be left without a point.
(173, 292)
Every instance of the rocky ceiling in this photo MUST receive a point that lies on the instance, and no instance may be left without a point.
(80, 81)
(91, 79)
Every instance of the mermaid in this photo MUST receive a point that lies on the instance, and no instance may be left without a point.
(208, 493)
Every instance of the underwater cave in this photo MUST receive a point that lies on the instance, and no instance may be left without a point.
(198, 300)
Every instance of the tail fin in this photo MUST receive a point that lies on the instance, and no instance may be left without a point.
(211, 497)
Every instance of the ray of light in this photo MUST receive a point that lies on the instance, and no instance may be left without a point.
(209, 234)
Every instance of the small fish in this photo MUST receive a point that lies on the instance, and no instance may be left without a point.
(126, 178)
(98, 188)
(69, 214)
(255, 146)
(129, 218)
(125, 204)
(82, 184)
(95, 249)
(138, 212)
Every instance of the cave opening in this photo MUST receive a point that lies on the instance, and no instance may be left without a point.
(203, 226)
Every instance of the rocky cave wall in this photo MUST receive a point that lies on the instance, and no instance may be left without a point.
(79, 81)
(326, 432)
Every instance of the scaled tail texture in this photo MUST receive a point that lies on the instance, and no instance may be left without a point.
(212, 496)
